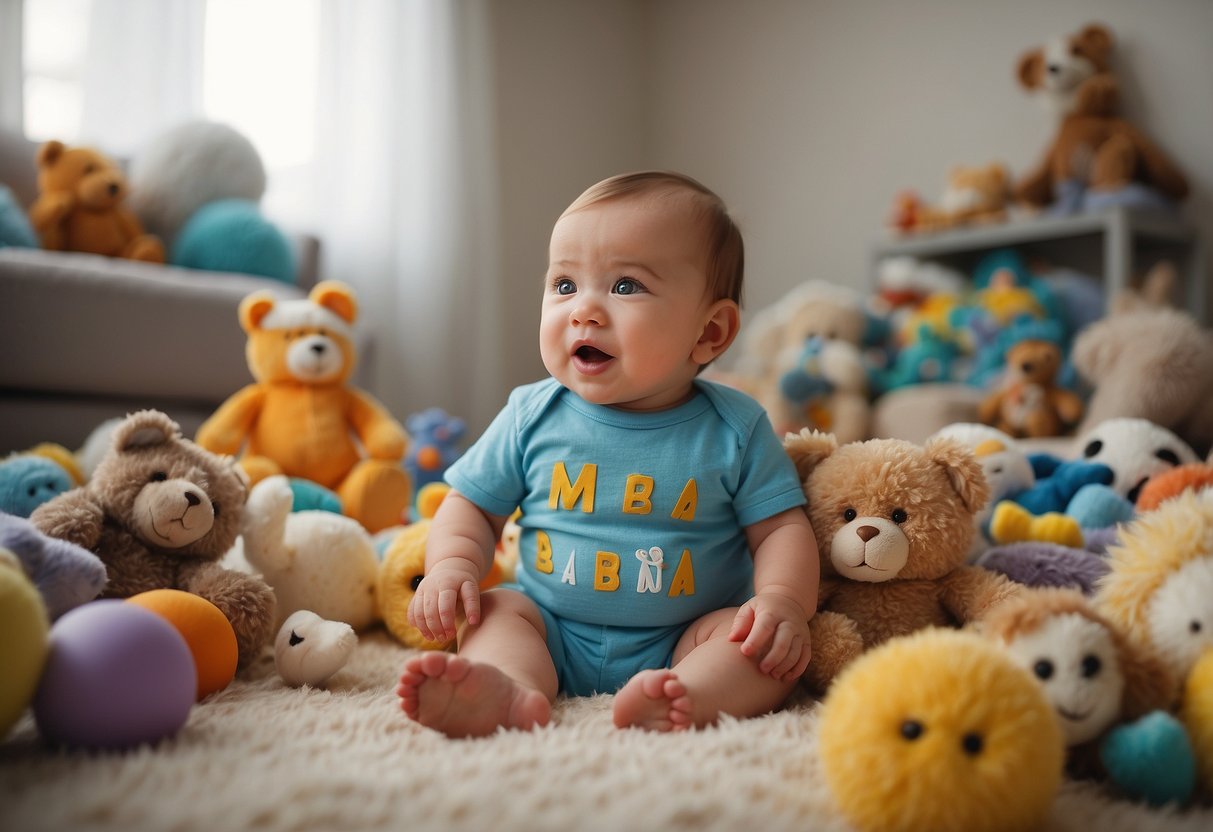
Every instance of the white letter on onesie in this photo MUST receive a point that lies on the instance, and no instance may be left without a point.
(570, 570)
(650, 580)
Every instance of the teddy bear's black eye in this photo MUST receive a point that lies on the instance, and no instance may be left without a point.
(89, 168)
(1091, 666)
(159, 476)
(416, 582)
(1167, 455)
(972, 744)
(1093, 447)
(1043, 669)
(899, 516)
(1194, 626)
(912, 729)
(850, 514)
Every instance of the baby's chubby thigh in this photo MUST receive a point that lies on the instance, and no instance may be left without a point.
(708, 627)
(511, 636)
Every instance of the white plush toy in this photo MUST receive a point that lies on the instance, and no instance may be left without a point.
(1135, 450)
(313, 560)
(308, 650)
(1004, 462)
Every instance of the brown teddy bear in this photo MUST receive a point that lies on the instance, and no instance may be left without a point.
(1093, 146)
(300, 418)
(80, 206)
(974, 196)
(893, 522)
(160, 512)
(1029, 404)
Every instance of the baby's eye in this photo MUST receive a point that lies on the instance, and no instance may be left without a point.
(564, 286)
(627, 286)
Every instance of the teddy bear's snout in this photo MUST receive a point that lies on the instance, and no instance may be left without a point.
(866, 533)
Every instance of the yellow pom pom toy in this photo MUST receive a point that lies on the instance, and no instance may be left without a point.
(1197, 717)
(23, 649)
(206, 631)
(940, 730)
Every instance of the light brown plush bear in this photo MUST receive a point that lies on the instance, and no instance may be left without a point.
(893, 522)
(974, 196)
(301, 418)
(80, 206)
(1029, 403)
(160, 512)
(1093, 145)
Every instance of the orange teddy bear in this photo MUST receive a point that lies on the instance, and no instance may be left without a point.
(80, 206)
(1029, 404)
(300, 418)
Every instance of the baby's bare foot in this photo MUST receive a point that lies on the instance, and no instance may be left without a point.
(654, 700)
(461, 699)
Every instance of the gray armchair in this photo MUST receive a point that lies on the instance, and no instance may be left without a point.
(84, 338)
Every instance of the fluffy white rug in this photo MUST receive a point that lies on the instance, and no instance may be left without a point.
(260, 755)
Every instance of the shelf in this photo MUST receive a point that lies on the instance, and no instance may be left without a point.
(1115, 243)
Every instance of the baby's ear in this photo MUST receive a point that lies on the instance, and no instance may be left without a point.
(721, 328)
(808, 448)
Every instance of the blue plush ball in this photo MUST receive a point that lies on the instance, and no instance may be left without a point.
(28, 481)
(117, 675)
(230, 235)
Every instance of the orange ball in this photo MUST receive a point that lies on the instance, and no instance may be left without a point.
(206, 630)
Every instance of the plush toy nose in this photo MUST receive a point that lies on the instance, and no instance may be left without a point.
(1027, 366)
(192, 499)
(1054, 69)
(113, 189)
(866, 533)
(318, 349)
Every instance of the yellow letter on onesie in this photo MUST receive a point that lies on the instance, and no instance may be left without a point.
(606, 572)
(567, 493)
(638, 494)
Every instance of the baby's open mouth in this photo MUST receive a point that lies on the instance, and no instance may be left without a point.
(590, 359)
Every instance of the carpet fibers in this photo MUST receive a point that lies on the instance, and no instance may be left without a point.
(259, 755)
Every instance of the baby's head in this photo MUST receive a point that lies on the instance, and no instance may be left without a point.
(643, 290)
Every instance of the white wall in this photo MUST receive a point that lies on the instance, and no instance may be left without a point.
(807, 116)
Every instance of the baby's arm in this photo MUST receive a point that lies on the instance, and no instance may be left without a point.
(457, 553)
(786, 575)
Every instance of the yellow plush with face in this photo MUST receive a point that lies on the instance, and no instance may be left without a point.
(301, 418)
(940, 730)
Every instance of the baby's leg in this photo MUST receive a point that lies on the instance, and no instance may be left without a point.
(710, 677)
(502, 675)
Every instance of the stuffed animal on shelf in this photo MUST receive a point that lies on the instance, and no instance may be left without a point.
(894, 524)
(302, 418)
(81, 206)
(1107, 693)
(160, 512)
(313, 560)
(1093, 149)
(65, 575)
(940, 730)
(1029, 402)
(973, 196)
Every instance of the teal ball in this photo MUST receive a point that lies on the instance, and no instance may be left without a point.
(230, 235)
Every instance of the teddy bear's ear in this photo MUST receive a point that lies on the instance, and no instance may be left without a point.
(964, 473)
(808, 448)
(49, 152)
(1030, 69)
(145, 429)
(337, 298)
(253, 310)
(1096, 42)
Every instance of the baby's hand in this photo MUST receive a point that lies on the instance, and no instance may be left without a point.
(433, 608)
(778, 627)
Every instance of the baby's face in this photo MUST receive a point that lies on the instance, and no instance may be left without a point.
(625, 302)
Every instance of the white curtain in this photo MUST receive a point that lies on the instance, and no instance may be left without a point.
(402, 191)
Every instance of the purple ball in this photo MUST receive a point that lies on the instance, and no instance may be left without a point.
(116, 675)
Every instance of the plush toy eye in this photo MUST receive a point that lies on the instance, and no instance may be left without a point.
(850, 514)
(1091, 666)
(1093, 447)
(1167, 455)
(1195, 626)
(972, 744)
(416, 582)
(899, 516)
(1043, 669)
(89, 168)
(912, 729)
(159, 476)
(997, 470)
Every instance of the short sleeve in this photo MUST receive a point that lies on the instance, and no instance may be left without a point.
(490, 472)
(768, 483)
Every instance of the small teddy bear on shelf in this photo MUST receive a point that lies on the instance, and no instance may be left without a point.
(80, 206)
(1030, 404)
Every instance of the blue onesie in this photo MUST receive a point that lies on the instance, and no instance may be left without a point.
(633, 524)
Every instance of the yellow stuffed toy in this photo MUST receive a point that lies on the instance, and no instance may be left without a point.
(300, 418)
(80, 206)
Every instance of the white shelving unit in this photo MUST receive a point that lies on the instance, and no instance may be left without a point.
(1117, 244)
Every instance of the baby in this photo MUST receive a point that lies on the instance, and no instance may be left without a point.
(665, 554)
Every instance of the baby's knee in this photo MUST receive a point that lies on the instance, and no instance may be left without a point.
(499, 602)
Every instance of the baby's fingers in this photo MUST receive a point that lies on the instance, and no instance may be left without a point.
(760, 635)
(782, 645)
(743, 622)
(470, 594)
